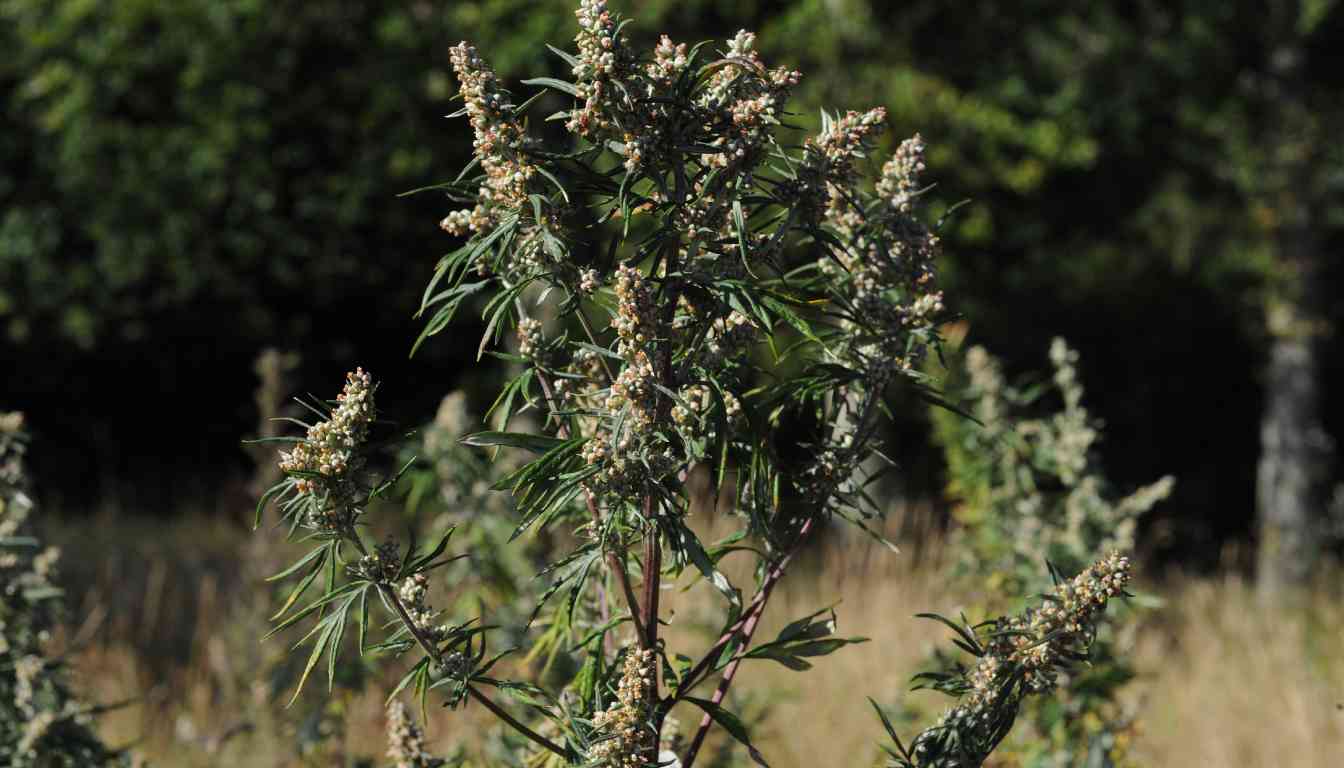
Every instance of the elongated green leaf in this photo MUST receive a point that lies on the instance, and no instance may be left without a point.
(551, 82)
(313, 606)
(406, 679)
(535, 443)
(338, 619)
(968, 639)
(327, 627)
(271, 493)
(291, 570)
(302, 586)
(732, 724)
(891, 730)
(687, 542)
(566, 56)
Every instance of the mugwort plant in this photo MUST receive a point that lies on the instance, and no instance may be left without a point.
(692, 288)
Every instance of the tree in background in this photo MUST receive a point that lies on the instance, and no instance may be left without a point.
(1294, 161)
(1137, 173)
(181, 183)
(1160, 179)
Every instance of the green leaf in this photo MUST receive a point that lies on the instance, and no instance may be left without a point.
(891, 730)
(687, 543)
(732, 724)
(303, 585)
(338, 619)
(551, 178)
(313, 606)
(319, 646)
(411, 674)
(277, 489)
(291, 570)
(451, 299)
(565, 55)
(534, 443)
(551, 82)
(807, 629)
(968, 642)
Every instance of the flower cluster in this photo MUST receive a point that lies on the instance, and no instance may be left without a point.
(330, 452)
(648, 127)
(698, 400)
(589, 281)
(828, 177)
(622, 724)
(405, 740)
(1022, 655)
(900, 176)
(622, 446)
(500, 145)
(41, 721)
(830, 467)
(1041, 640)
(413, 593)
(604, 59)
(12, 449)
(749, 98)
(669, 61)
(1073, 435)
(728, 337)
(382, 564)
(634, 321)
(1030, 486)
(887, 266)
(530, 340)
(914, 246)
(15, 504)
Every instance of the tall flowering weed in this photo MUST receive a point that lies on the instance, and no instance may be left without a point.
(693, 288)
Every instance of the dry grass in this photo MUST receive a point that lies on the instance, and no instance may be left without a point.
(1223, 681)
(1226, 681)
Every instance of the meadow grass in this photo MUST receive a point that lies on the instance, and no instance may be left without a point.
(170, 621)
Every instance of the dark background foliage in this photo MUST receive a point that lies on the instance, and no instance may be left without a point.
(184, 183)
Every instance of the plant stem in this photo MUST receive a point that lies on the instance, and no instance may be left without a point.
(648, 641)
(523, 729)
(653, 565)
(617, 564)
(392, 598)
(592, 339)
(747, 625)
(615, 560)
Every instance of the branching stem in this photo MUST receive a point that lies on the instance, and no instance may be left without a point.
(430, 647)
(499, 712)
(747, 627)
(615, 560)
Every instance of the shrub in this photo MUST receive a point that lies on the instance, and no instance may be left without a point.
(1029, 488)
(719, 298)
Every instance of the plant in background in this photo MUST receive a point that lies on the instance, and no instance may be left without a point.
(1017, 657)
(449, 487)
(42, 723)
(720, 296)
(1029, 489)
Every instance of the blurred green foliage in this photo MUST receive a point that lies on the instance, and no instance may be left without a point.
(162, 155)
(184, 182)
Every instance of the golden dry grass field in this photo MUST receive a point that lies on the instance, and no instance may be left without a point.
(172, 621)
